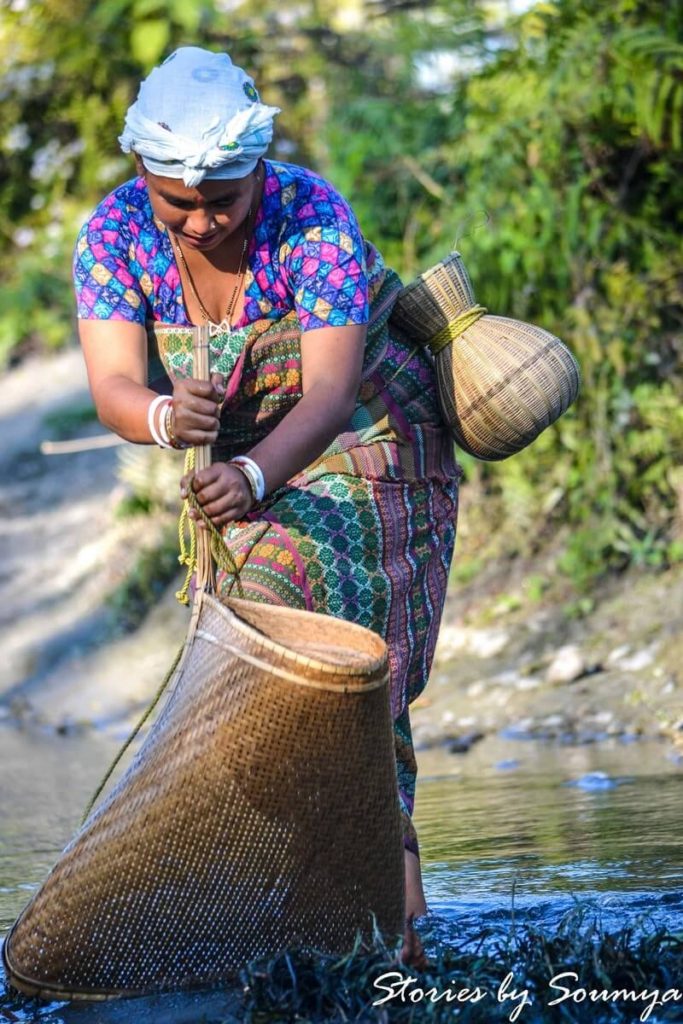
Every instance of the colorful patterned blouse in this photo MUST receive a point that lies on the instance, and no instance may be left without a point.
(306, 253)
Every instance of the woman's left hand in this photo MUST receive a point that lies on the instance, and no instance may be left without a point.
(222, 490)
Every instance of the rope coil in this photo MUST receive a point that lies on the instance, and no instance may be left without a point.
(456, 327)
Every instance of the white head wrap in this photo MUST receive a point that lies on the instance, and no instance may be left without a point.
(198, 116)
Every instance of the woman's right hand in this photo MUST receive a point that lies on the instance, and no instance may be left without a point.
(197, 408)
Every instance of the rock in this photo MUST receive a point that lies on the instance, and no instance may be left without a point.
(568, 664)
(461, 744)
(486, 643)
(522, 729)
(635, 662)
(482, 643)
(513, 680)
(527, 683)
(467, 721)
(427, 736)
(618, 653)
(553, 721)
(507, 764)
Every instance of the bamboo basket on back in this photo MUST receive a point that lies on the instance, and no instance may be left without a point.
(500, 382)
(260, 813)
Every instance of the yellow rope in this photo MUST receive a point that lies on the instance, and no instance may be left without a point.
(221, 554)
(456, 327)
(187, 526)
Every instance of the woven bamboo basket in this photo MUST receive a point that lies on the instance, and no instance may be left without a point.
(260, 813)
(501, 382)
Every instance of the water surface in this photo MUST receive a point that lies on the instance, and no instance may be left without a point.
(512, 830)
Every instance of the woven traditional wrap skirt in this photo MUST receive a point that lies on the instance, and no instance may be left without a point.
(366, 532)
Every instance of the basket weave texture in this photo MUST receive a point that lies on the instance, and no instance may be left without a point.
(247, 822)
(501, 382)
(260, 813)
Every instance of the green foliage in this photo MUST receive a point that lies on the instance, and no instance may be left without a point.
(142, 589)
(67, 422)
(557, 164)
(547, 146)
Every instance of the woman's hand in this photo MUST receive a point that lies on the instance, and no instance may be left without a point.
(222, 490)
(197, 409)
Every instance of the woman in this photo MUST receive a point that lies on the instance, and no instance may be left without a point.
(333, 480)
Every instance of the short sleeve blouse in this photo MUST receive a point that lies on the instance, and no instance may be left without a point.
(306, 253)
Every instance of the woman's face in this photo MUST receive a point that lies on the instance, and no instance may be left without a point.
(205, 216)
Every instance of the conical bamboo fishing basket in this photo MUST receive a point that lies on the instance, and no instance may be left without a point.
(260, 813)
(501, 382)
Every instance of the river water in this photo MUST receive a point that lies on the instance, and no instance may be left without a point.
(528, 828)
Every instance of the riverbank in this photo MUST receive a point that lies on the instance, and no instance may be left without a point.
(531, 661)
(549, 670)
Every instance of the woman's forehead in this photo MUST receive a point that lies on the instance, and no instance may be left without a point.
(211, 189)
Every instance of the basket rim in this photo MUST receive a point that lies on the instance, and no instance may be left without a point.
(229, 610)
(424, 277)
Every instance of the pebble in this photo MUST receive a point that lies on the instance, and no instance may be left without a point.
(568, 664)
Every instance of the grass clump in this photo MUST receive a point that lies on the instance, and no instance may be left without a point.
(496, 975)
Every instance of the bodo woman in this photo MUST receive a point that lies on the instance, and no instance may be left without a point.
(347, 484)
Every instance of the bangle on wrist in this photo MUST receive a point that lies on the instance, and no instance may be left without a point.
(152, 410)
(248, 477)
(169, 423)
(253, 473)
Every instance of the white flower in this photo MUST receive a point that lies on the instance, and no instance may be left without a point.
(17, 138)
(23, 237)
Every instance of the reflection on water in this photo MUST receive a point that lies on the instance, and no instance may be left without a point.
(502, 831)
(525, 839)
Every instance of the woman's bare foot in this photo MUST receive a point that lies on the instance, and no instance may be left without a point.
(412, 953)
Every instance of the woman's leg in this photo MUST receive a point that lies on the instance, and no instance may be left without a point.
(412, 953)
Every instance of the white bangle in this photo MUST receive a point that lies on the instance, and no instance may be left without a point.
(163, 431)
(254, 472)
(151, 414)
